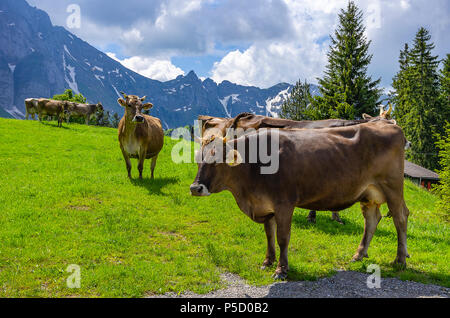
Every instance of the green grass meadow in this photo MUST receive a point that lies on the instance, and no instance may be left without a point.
(65, 199)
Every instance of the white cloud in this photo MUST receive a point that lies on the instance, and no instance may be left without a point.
(132, 36)
(265, 65)
(389, 24)
(161, 70)
(285, 40)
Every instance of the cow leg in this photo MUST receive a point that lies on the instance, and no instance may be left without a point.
(335, 217)
(312, 217)
(153, 166)
(27, 115)
(270, 226)
(283, 218)
(127, 161)
(372, 217)
(142, 156)
(87, 120)
(400, 215)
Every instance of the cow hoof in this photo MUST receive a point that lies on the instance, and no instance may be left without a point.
(267, 264)
(279, 276)
(359, 257)
(400, 263)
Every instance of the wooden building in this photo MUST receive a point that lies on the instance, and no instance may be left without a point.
(420, 176)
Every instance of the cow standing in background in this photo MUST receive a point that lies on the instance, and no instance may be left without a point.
(57, 108)
(31, 108)
(140, 136)
(326, 169)
(84, 110)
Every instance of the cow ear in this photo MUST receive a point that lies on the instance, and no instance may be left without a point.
(122, 102)
(147, 106)
(234, 158)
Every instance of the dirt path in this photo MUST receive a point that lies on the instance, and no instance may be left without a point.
(345, 284)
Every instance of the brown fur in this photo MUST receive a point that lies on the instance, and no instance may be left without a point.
(139, 140)
(47, 107)
(85, 111)
(213, 126)
(324, 170)
(31, 108)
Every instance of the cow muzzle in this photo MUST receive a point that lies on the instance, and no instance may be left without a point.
(138, 119)
(199, 190)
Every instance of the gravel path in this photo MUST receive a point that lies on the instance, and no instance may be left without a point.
(345, 284)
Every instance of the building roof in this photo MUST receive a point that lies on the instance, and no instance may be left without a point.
(415, 171)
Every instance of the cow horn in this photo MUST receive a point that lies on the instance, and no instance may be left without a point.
(143, 98)
(124, 95)
(390, 110)
(381, 110)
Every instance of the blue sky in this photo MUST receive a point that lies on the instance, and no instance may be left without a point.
(258, 42)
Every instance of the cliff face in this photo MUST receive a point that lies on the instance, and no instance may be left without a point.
(38, 59)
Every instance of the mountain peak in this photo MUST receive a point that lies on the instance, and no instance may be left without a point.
(192, 75)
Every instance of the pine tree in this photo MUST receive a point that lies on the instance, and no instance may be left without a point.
(443, 188)
(346, 90)
(296, 107)
(402, 87)
(419, 109)
(115, 120)
(445, 87)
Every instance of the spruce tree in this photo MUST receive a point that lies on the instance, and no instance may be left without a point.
(445, 87)
(419, 109)
(347, 91)
(401, 84)
(297, 105)
(115, 120)
(443, 188)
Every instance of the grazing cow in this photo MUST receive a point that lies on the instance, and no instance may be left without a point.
(319, 169)
(48, 107)
(84, 110)
(31, 107)
(213, 126)
(141, 136)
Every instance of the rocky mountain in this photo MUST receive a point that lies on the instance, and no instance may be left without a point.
(38, 59)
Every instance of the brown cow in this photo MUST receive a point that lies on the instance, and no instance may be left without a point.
(31, 108)
(140, 136)
(319, 169)
(214, 126)
(48, 107)
(84, 110)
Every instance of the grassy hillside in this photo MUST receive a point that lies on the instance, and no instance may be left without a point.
(65, 199)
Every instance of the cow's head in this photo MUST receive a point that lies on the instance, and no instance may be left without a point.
(67, 108)
(212, 127)
(214, 163)
(99, 107)
(133, 107)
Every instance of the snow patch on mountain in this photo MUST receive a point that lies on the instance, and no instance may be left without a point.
(72, 74)
(68, 53)
(117, 92)
(12, 67)
(273, 105)
(15, 112)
